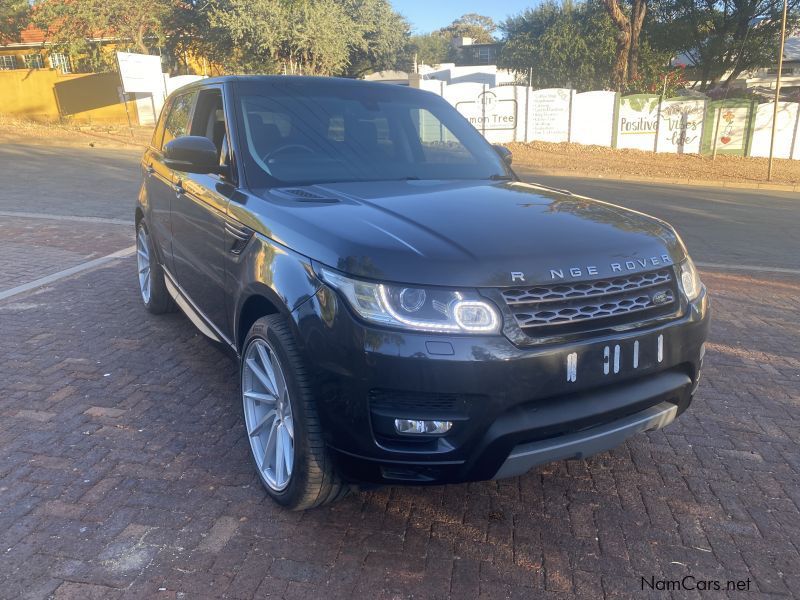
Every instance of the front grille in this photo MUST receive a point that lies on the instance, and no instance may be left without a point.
(575, 307)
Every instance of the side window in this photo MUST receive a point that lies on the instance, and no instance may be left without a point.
(177, 124)
(209, 121)
(158, 134)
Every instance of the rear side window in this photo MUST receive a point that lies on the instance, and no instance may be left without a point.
(177, 124)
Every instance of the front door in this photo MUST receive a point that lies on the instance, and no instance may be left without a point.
(159, 178)
(198, 221)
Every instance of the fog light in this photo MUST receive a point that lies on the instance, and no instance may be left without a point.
(417, 426)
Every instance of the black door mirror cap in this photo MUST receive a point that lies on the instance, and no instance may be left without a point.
(504, 153)
(192, 154)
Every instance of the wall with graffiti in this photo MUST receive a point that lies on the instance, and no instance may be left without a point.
(683, 125)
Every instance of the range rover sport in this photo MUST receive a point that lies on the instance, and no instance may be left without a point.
(403, 308)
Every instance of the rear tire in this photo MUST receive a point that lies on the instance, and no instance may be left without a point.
(152, 288)
(278, 405)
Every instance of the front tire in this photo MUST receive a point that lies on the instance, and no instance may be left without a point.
(281, 420)
(152, 288)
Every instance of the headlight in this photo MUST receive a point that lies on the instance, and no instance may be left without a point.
(416, 308)
(690, 280)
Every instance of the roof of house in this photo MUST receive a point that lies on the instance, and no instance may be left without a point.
(30, 36)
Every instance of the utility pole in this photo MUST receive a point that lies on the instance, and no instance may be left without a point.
(777, 91)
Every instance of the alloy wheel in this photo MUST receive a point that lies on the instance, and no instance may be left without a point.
(143, 262)
(268, 414)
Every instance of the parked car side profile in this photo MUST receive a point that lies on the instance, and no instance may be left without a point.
(404, 310)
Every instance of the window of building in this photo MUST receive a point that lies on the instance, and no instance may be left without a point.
(33, 61)
(786, 71)
(61, 62)
(8, 62)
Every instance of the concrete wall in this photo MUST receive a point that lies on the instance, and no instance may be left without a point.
(46, 95)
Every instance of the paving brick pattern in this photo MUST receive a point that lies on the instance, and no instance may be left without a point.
(124, 473)
(32, 247)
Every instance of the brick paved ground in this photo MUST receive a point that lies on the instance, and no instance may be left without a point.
(35, 247)
(124, 472)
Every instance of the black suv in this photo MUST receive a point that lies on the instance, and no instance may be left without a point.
(404, 309)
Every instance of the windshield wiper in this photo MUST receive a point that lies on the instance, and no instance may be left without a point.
(500, 177)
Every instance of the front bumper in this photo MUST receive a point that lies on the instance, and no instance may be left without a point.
(512, 408)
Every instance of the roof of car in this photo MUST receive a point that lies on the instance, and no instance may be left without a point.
(273, 79)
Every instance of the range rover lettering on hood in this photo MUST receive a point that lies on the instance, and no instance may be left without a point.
(616, 267)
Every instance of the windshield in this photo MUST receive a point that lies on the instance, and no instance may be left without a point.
(337, 132)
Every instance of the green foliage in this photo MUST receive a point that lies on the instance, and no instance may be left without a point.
(560, 46)
(570, 45)
(13, 18)
(656, 76)
(313, 37)
(430, 48)
(478, 27)
(722, 39)
(381, 36)
(70, 26)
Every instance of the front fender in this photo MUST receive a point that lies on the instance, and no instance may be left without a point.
(267, 269)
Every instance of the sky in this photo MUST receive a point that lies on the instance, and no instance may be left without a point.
(427, 15)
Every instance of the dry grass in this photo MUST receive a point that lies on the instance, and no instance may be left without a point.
(57, 133)
(597, 161)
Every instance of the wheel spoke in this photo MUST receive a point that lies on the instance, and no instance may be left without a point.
(266, 419)
(261, 376)
(280, 385)
(288, 454)
(267, 399)
(268, 369)
(271, 440)
(288, 422)
(280, 465)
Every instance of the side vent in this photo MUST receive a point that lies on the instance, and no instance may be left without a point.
(304, 195)
(238, 235)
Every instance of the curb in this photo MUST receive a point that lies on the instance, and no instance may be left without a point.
(777, 187)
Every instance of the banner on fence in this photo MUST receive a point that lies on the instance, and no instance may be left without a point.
(727, 127)
(593, 115)
(786, 132)
(548, 115)
(637, 122)
(680, 125)
(684, 125)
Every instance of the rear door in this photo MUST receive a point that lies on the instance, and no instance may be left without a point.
(199, 205)
(174, 123)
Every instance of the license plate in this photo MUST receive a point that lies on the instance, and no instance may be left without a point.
(613, 358)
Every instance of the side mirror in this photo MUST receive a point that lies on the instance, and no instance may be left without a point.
(192, 154)
(504, 153)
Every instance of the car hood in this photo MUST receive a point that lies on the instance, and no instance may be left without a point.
(464, 234)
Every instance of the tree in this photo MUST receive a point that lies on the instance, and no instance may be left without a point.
(478, 27)
(430, 48)
(381, 36)
(13, 18)
(316, 37)
(70, 25)
(561, 45)
(721, 39)
(629, 29)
